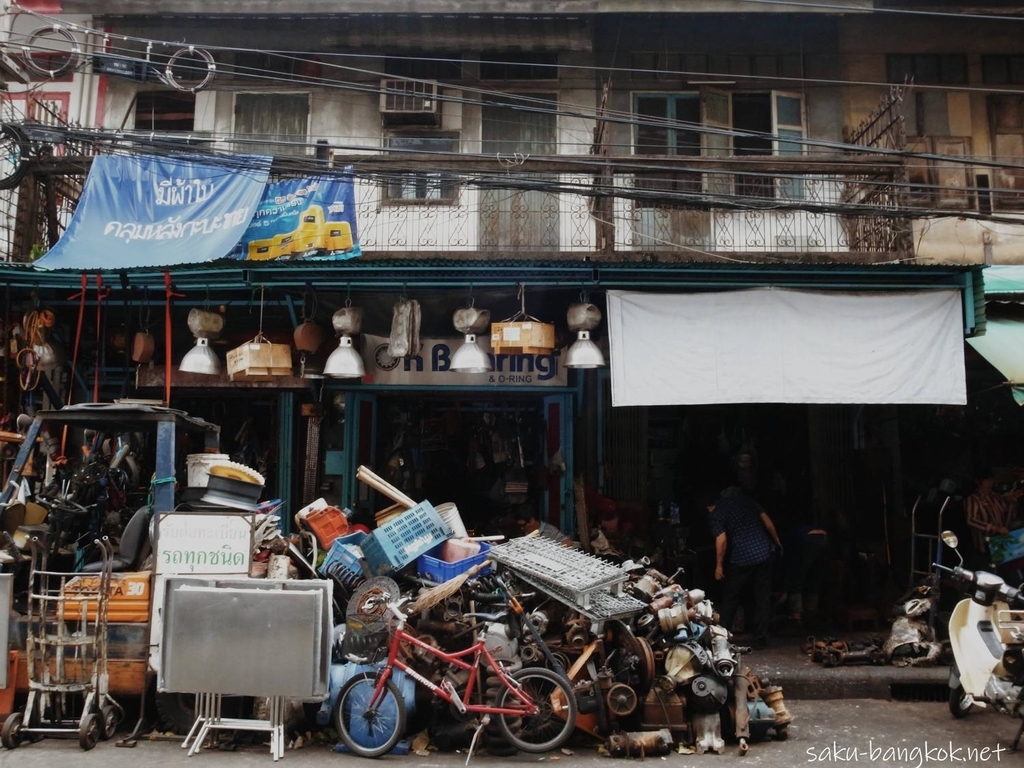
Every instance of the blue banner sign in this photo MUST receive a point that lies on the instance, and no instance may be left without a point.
(303, 218)
(143, 211)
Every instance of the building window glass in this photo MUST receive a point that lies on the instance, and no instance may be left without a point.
(422, 186)
(1002, 70)
(272, 123)
(927, 68)
(1006, 114)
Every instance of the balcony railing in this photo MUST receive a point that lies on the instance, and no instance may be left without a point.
(560, 213)
(554, 206)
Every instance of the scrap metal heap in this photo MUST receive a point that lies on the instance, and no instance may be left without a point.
(650, 666)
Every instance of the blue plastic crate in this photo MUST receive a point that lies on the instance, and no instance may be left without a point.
(431, 566)
(404, 538)
(344, 553)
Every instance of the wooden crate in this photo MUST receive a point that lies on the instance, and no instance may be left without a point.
(518, 338)
(259, 361)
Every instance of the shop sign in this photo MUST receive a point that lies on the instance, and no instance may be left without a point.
(432, 367)
(158, 211)
(188, 542)
(303, 218)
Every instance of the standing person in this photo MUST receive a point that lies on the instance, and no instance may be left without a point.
(743, 530)
(988, 513)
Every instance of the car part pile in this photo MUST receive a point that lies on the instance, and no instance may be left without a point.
(650, 666)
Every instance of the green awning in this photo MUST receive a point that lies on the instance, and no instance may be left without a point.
(1002, 279)
(1003, 346)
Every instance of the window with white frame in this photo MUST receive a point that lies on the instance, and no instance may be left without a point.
(272, 123)
(422, 186)
(718, 123)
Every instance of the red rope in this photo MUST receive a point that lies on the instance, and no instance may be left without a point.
(74, 355)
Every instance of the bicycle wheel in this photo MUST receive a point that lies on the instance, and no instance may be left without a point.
(369, 732)
(552, 725)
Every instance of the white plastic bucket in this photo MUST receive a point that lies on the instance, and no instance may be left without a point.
(198, 466)
(450, 514)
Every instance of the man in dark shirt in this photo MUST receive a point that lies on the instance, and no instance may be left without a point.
(743, 530)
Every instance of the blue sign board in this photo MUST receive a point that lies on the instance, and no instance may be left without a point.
(143, 211)
(303, 218)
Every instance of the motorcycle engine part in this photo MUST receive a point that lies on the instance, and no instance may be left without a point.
(645, 588)
(622, 700)
(722, 658)
(772, 696)
(499, 642)
(707, 693)
(576, 632)
(640, 743)
(540, 622)
(529, 653)
(707, 730)
(646, 623)
(682, 665)
(677, 615)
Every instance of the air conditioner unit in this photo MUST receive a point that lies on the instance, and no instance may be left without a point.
(400, 98)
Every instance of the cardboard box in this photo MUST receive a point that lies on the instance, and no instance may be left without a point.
(522, 337)
(259, 361)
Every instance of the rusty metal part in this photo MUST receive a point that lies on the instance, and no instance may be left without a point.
(640, 743)
(772, 696)
(622, 700)
(744, 747)
(741, 715)
(663, 708)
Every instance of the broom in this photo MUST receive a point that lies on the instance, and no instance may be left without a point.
(436, 595)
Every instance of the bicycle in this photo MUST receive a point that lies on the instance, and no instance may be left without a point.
(535, 709)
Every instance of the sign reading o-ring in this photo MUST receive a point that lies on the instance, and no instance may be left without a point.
(193, 52)
(68, 59)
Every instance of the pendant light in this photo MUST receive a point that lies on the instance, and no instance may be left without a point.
(307, 338)
(471, 357)
(583, 317)
(205, 325)
(345, 362)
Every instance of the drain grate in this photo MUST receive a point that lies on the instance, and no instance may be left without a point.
(919, 691)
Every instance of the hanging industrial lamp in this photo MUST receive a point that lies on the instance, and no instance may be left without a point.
(471, 357)
(583, 317)
(345, 362)
(204, 325)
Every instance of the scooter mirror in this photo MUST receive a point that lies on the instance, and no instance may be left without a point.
(949, 539)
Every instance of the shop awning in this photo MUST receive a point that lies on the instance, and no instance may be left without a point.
(1003, 346)
(772, 345)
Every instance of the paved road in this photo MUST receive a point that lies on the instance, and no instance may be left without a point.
(824, 734)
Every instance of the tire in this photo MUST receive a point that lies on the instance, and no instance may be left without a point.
(960, 702)
(11, 736)
(369, 733)
(176, 712)
(110, 718)
(546, 730)
(89, 731)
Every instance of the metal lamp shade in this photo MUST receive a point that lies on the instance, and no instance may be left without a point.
(201, 359)
(344, 362)
(584, 353)
(471, 358)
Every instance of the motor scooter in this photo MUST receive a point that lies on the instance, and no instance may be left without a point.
(986, 632)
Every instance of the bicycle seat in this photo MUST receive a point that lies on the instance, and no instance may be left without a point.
(497, 616)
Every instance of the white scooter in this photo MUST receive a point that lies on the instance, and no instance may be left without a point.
(986, 631)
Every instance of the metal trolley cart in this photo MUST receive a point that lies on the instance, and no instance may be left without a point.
(67, 655)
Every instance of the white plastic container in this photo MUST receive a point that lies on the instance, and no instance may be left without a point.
(450, 514)
(198, 467)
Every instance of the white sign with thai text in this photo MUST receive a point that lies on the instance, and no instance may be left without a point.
(190, 542)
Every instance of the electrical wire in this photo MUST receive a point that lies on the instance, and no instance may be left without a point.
(701, 128)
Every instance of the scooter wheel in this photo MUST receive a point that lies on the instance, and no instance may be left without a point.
(960, 702)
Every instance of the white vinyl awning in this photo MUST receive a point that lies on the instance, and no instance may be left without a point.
(1003, 346)
(770, 345)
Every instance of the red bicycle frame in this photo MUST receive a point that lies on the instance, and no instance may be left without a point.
(457, 659)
